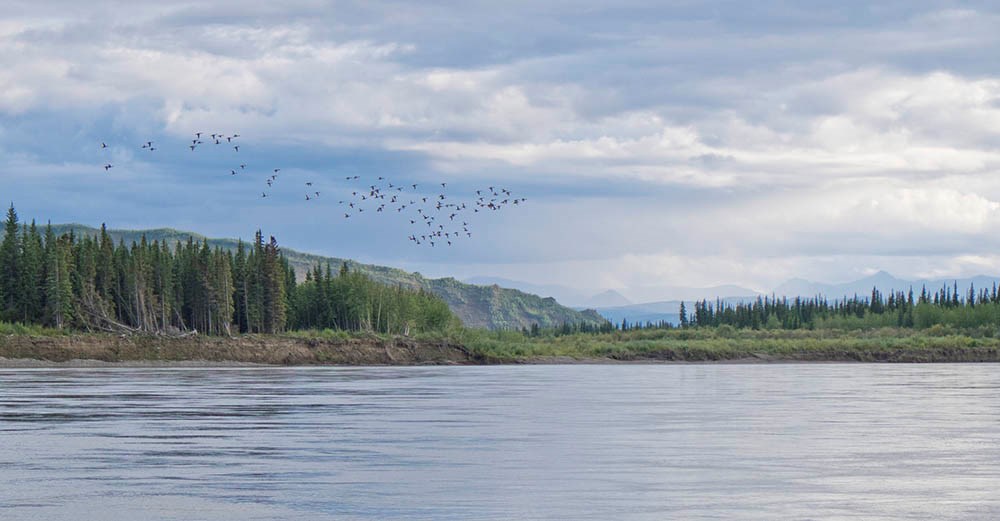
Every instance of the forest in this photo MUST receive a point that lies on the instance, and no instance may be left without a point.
(92, 284)
(947, 306)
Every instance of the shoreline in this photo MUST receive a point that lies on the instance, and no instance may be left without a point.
(106, 350)
(84, 350)
(83, 363)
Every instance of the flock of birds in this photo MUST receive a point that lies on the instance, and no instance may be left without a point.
(436, 217)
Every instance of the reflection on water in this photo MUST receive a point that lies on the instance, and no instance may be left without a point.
(825, 441)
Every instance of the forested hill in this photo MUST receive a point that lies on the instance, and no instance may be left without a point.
(477, 306)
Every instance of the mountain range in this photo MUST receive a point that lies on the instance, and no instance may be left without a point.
(662, 303)
(488, 306)
(617, 297)
(882, 280)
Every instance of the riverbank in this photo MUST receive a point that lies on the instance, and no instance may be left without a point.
(725, 344)
(143, 350)
(479, 347)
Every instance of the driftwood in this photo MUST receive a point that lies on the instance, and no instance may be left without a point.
(101, 321)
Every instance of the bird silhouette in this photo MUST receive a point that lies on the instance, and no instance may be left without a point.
(108, 167)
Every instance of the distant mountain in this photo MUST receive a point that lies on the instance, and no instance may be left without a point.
(489, 306)
(669, 293)
(565, 295)
(617, 297)
(667, 311)
(609, 298)
(882, 280)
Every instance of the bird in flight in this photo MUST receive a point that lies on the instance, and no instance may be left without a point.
(104, 145)
(108, 166)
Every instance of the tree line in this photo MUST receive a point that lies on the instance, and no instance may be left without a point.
(91, 283)
(947, 306)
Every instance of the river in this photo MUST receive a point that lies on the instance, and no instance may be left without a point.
(573, 442)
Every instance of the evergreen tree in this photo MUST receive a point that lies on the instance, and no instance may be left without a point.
(58, 285)
(10, 259)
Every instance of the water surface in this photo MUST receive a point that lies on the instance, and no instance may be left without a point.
(645, 442)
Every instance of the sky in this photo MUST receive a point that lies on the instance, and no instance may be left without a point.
(657, 143)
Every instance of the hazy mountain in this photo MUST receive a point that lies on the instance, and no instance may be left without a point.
(605, 299)
(667, 311)
(488, 306)
(669, 293)
(564, 294)
(882, 280)
(616, 297)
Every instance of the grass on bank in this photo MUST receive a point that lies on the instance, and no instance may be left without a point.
(727, 343)
(937, 343)
(17, 328)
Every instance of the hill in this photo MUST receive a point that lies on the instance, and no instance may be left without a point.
(489, 307)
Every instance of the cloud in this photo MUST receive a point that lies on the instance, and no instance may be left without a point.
(713, 140)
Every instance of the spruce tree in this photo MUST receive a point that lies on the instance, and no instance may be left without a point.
(58, 286)
(10, 257)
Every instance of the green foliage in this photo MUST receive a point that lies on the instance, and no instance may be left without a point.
(18, 328)
(477, 306)
(353, 301)
(706, 344)
(87, 282)
(949, 307)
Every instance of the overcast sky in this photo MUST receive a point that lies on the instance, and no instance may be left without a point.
(658, 143)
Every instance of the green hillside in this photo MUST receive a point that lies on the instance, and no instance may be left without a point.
(490, 307)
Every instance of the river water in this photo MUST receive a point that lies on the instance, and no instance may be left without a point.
(574, 442)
